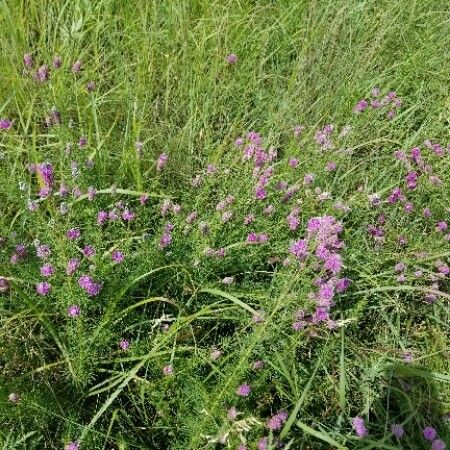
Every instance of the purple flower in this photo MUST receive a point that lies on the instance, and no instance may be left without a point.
(258, 365)
(88, 251)
(397, 431)
(243, 390)
(124, 344)
(333, 263)
(74, 445)
(429, 433)
(76, 68)
(128, 215)
(299, 249)
(28, 60)
(438, 444)
(43, 74)
(73, 234)
(72, 266)
(361, 106)
(441, 226)
(168, 370)
(91, 287)
(165, 240)
(331, 166)
(43, 251)
(47, 270)
(57, 62)
(43, 288)
(162, 161)
(232, 413)
(5, 124)
(277, 421)
(298, 130)
(263, 444)
(293, 162)
(73, 311)
(90, 86)
(359, 426)
(117, 256)
(231, 58)
(102, 217)
(82, 142)
(4, 285)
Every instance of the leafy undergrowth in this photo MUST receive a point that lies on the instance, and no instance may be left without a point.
(191, 283)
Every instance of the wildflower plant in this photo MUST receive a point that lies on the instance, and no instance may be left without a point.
(212, 237)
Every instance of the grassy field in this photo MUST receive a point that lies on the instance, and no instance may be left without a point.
(224, 224)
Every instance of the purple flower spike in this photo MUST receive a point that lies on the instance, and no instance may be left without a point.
(359, 427)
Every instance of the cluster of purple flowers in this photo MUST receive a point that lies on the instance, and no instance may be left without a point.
(322, 242)
(323, 137)
(276, 421)
(91, 287)
(390, 101)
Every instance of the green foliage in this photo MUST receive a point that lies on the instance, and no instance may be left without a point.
(161, 78)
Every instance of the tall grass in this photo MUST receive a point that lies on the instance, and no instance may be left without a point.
(156, 359)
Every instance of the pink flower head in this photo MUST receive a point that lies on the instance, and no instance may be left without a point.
(57, 62)
(72, 266)
(47, 270)
(441, 226)
(102, 217)
(361, 106)
(91, 287)
(73, 311)
(429, 433)
(299, 249)
(5, 124)
(28, 60)
(74, 445)
(124, 344)
(73, 234)
(293, 162)
(117, 256)
(76, 68)
(359, 427)
(162, 161)
(128, 215)
(438, 444)
(168, 370)
(397, 431)
(232, 58)
(243, 390)
(43, 251)
(43, 288)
